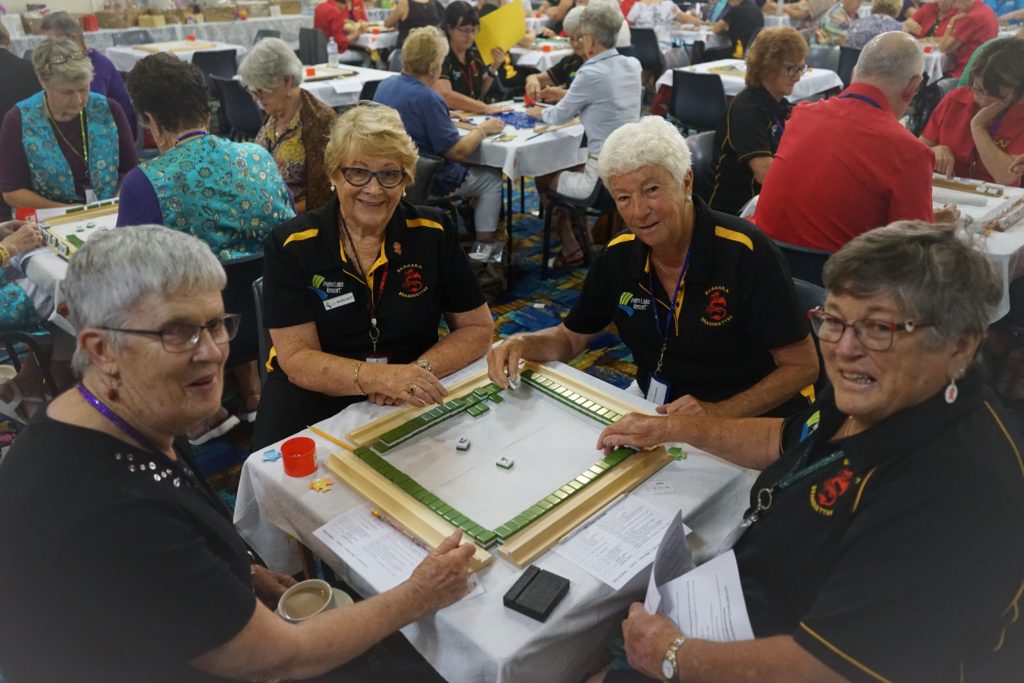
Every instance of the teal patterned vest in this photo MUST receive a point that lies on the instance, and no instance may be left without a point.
(228, 194)
(51, 174)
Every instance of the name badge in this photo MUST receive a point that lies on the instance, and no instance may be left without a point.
(657, 391)
(342, 300)
(90, 195)
(380, 359)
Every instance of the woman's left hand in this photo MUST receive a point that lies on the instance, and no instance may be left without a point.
(269, 585)
(987, 114)
(647, 638)
(686, 405)
(409, 383)
(497, 58)
(25, 238)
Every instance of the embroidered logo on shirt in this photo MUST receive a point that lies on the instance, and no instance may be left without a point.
(412, 284)
(324, 288)
(716, 312)
(630, 304)
(825, 495)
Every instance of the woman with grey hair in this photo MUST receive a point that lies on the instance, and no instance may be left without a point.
(605, 94)
(297, 125)
(882, 538)
(165, 588)
(701, 298)
(64, 145)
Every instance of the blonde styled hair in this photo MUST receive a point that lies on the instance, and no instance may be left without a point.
(370, 129)
(423, 51)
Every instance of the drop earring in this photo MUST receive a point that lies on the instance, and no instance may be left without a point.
(951, 391)
(332, 188)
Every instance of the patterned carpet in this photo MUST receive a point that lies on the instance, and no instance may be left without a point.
(533, 303)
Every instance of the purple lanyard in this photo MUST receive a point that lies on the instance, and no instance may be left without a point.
(664, 329)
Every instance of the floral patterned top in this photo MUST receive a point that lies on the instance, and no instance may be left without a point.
(288, 151)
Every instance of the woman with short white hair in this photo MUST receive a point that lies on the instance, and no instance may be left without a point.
(64, 145)
(700, 298)
(297, 125)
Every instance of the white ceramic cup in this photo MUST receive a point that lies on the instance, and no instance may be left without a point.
(306, 599)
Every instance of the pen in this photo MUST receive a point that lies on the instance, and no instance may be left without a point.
(380, 516)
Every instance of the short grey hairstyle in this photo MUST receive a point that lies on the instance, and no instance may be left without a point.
(603, 22)
(424, 50)
(61, 61)
(651, 141)
(890, 58)
(61, 24)
(268, 63)
(571, 22)
(936, 273)
(115, 271)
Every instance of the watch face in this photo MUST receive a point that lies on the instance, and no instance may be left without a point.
(668, 670)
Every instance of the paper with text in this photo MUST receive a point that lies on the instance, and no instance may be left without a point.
(673, 559)
(709, 602)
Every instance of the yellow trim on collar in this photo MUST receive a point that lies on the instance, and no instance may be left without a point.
(625, 237)
(726, 233)
(304, 235)
(423, 223)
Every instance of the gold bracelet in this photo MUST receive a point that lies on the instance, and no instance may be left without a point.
(5, 255)
(355, 377)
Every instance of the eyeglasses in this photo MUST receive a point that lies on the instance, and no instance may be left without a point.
(980, 91)
(63, 59)
(468, 30)
(795, 69)
(179, 337)
(876, 335)
(388, 178)
(575, 39)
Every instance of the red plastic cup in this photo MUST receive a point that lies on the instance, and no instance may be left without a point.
(299, 456)
(527, 100)
(190, 36)
(311, 71)
(536, 15)
(546, 48)
(376, 31)
(25, 214)
(928, 49)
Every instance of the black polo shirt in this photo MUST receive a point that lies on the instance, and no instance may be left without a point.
(751, 129)
(563, 73)
(421, 274)
(468, 78)
(737, 304)
(903, 559)
(742, 21)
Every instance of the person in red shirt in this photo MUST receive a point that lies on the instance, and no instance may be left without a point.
(973, 24)
(845, 165)
(344, 22)
(977, 128)
(931, 19)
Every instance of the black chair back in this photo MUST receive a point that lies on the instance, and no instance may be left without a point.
(368, 90)
(263, 341)
(266, 33)
(804, 263)
(809, 296)
(824, 57)
(647, 51)
(848, 57)
(242, 272)
(312, 46)
(426, 168)
(395, 60)
(27, 55)
(702, 162)
(625, 50)
(221, 63)
(243, 116)
(139, 36)
(698, 100)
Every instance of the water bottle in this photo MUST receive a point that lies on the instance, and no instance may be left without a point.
(332, 52)
(778, 8)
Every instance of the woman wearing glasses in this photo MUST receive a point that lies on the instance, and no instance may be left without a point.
(882, 536)
(354, 291)
(978, 128)
(750, 132)
(465, 79)
(164, 588)
(64, 145)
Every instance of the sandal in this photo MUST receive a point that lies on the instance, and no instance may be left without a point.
(561, 261)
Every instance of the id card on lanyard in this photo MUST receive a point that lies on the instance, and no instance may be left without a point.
(659, 389)
(375, 356)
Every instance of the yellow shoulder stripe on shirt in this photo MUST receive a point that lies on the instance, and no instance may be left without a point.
(874, 675)
(304, 235)
(726, 233)
(423, 223)
(624, 237)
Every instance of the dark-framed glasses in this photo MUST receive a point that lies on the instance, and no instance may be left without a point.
(793, 70)
(876, 335)
(182, 337)
(470, 30)
(359, 177)
(64, 59)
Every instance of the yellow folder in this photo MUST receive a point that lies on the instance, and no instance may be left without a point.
(502, 28)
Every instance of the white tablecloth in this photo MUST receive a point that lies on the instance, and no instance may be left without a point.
(125, 57)
(344, 92)
(688, 35)
(237, 32)
(814, 81)
(538, 59)
(378, 41)
(773, 20)
(479, 639)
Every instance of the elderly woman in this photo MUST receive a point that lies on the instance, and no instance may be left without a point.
(228, 194)
(426, 119)
(606, 94)
(553, 84)
(902, 482)
(931, 19)
(882, 20)
(165, 590)
(354, 291)
(835, 24)
(659, 15)
(700, 298)
(63, 145)
(977, 128)
(297, 125)
(465, 80)
(753, 124)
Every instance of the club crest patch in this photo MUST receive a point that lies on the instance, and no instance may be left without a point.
(716, 309)
(410, 278)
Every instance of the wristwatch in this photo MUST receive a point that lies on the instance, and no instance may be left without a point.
(668, 664)
(425, 364)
